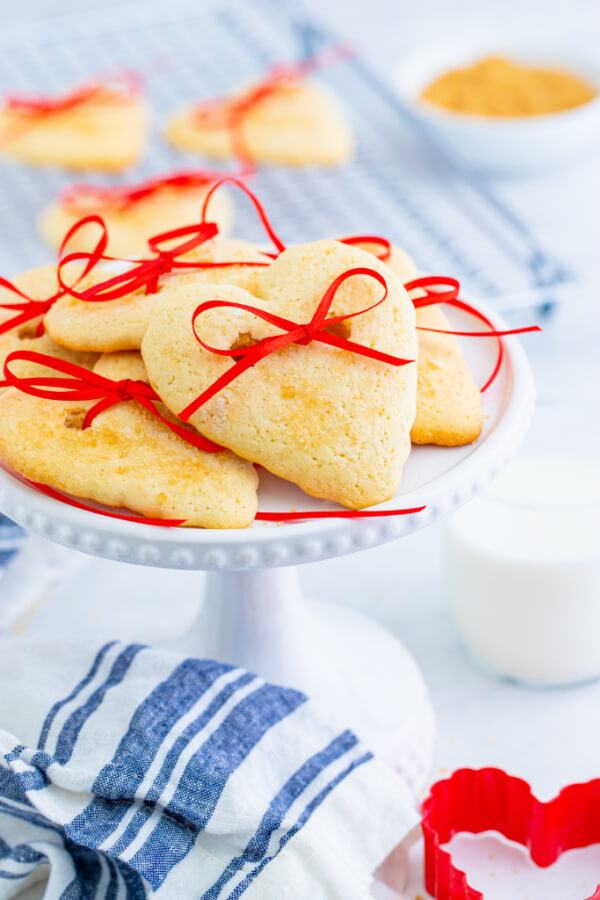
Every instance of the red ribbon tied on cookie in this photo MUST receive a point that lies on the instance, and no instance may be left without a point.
(262, 215)
(26, 309)
(147, 272)
(448, 294)
(123, 82)
(292, 333)
(490, 800)
(85, 385)
(230, 112)
(85, 196)
(385, 246)
(144, 273)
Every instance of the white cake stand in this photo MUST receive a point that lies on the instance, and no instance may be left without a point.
(253, 613)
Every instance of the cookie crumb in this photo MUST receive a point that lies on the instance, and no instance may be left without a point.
(74, 417)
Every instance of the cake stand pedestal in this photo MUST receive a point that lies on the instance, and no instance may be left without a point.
(253, 614)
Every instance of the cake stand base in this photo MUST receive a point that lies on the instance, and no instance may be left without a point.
(359, 671)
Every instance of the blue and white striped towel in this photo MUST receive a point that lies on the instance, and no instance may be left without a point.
(127, 771)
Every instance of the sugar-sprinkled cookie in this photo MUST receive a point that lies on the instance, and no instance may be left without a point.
(130, 222)
(296, 124)
(96, 126)
(114, 325)
(126, 458)
(332, 421)
(449, 411)
(39, 284)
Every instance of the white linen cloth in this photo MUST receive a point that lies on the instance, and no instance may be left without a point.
(128, 771)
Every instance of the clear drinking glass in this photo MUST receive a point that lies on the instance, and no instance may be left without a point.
(522, 571)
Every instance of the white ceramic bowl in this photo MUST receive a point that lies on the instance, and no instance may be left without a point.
(514, 144)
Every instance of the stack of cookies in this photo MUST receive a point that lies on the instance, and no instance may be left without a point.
(307, 362)
(159, 388)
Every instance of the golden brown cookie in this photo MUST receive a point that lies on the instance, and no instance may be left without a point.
(126, 458)
(114, 325)
(449, 411)
(332, 421)
(130, 225)
(107, 131)
(39, 284)
(297, 124)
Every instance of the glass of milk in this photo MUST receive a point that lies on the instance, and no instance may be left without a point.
(522, 565)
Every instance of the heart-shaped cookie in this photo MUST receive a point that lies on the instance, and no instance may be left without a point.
(490, 800)
(449, 411)
(298, 123)
(111, 325)
(92, 128)
(333, 421)
(38, 284)
(126, 457)
(130, 224)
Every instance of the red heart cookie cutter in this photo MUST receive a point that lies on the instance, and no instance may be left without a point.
(476, 800)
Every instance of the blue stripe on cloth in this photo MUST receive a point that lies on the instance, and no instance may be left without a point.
(41, 760)
(6, 556)
(88, 874)
(113, 884)
(88, 871)
(309, 810)
(15, 753)
(32, 817)
(162, 779)
(205, 777)
(76, 690)
(14, 876)
(22, 853)
(71, 730)
(258, 845)
(115, 786)
(30, 780)
(10, 787)
(133, 882)
(14, 784)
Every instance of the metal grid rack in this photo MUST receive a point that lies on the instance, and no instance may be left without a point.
(401, 184)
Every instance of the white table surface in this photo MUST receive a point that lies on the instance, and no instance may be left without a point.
(549, 737)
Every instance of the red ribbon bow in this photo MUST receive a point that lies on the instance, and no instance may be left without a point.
(449, 296)
(229, 112)
(77, 196)
(143, 274)
(262, 215)
(146, 273)
(84, 385)
(293, 333)
(26, 310)
(123, 81)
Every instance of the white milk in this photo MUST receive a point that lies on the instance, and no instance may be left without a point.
(523, 571)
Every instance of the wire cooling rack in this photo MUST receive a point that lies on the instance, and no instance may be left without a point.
(402, 183)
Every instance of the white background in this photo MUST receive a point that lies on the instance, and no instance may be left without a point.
(548, 737)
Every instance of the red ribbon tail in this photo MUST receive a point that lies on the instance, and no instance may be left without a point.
(246, 363)
(336, 514)
(191, 437)
(70, 501)
(21, 319)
